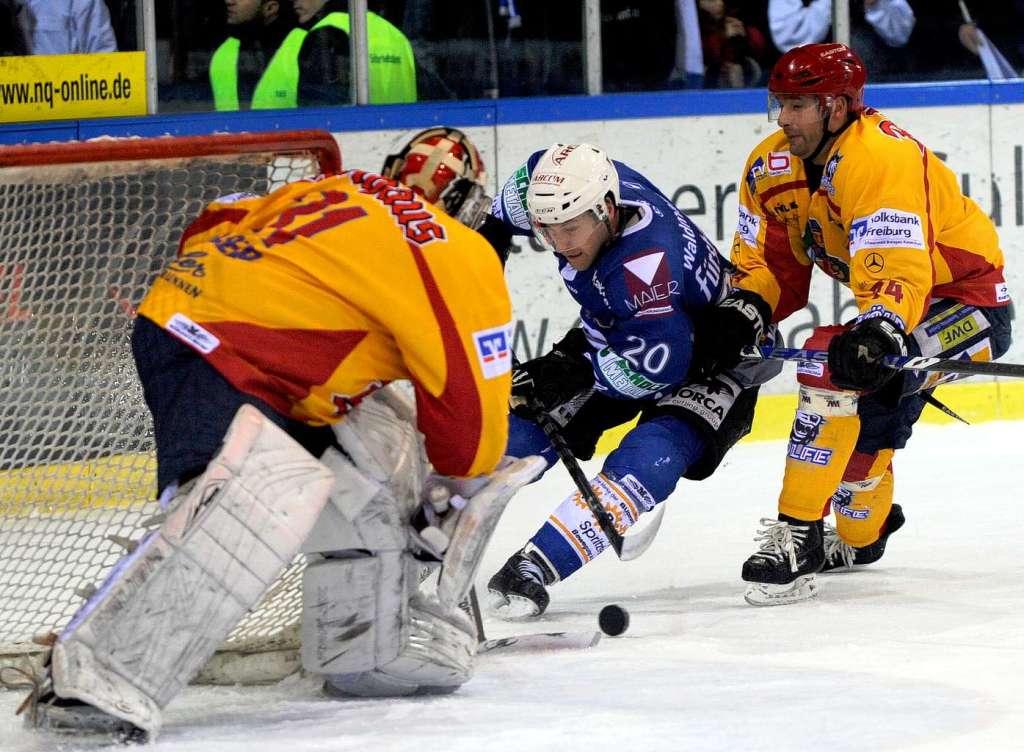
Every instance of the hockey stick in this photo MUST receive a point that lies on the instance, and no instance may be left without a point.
(525, 642)
(540, 641)
(627, 547)
(898, 362)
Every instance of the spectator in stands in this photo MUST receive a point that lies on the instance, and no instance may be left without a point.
(939, 47)
(12, 40)
(668, 33)
(57, 27)
(879, 32)
(324, 59)
(794, 23)
(257, 66)
(734, 51)
(647, 25)
(1000, 25)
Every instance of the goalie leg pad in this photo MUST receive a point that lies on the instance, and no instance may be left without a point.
(165, 609)
(367, 636)
(380, 437)
(476, 526)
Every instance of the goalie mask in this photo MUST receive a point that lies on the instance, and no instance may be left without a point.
(442, 165)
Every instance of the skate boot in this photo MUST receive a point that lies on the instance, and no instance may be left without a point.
(519, 589)
(44, 710)
(63, 716)
(782, 571)
(841, 555)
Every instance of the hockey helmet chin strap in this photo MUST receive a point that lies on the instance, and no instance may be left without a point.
(623, 216)
(827, 135)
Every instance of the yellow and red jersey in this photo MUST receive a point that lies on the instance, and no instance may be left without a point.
(888, 220)
(316, 295)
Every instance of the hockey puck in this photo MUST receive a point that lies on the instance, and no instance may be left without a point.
(613, 620)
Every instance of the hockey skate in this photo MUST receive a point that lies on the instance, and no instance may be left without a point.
(519, 589)
(44, 710)
(841, 555)
(783, 569)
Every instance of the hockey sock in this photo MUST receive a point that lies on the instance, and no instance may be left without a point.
(824, 434)
(571, 536)
(864, 498)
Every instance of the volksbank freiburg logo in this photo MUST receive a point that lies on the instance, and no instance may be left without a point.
(887, 228)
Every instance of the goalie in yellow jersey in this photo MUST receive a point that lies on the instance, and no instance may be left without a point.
(264, 349)
(842, 187)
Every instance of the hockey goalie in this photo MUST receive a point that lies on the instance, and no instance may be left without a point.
(265, 350)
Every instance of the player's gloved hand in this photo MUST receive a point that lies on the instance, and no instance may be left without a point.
(855, 356)
(555, 378)
(722, 331)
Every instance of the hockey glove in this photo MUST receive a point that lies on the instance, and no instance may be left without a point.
(855, 356)
(443, 499)
(722, 331)
(555, 378)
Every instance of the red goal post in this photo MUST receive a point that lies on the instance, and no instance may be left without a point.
(84, 228)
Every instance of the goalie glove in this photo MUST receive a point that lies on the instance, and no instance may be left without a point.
(855, 356)
(435, 519)
(722, 331)
(555, 378)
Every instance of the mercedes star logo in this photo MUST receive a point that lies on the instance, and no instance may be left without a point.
(874, 263)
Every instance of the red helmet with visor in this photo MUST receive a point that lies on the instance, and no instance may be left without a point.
(824, 70)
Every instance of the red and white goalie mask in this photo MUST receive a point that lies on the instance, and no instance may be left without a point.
(442, 165)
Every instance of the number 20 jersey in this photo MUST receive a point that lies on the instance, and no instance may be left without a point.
(316, 295)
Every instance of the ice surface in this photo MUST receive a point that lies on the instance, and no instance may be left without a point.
(923, 650)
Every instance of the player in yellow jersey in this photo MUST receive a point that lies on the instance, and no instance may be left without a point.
(842, 187)
(265, 349)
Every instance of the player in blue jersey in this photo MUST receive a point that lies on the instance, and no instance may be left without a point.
(643, 275)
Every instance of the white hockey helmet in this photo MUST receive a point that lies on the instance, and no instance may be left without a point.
(569, 180)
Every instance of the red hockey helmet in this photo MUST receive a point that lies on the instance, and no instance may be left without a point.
(824, 70)
(442, 165)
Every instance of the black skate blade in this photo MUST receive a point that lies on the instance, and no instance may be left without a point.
(540, 641)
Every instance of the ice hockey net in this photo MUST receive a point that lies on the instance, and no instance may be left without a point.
(84, 228)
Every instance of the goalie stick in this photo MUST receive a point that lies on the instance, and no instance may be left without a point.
(540, 641)
(898, 362)
(524, 642)
(627, 547)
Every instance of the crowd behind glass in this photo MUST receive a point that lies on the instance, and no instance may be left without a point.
(510, 48)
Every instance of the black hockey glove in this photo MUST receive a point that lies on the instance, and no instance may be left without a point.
(722, 331)
(855, 356)
(555, 378)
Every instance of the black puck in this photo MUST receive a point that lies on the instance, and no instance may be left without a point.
(613, 620)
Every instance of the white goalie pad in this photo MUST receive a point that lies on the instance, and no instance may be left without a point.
(368, 631)
(476, 525)
(165, 608)
(381, 438)
(367, 627)
(364, 626)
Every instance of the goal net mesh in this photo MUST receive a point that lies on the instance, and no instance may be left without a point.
(79, 246)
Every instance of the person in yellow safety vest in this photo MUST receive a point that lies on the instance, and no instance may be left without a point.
(326, 52)
(257, 66)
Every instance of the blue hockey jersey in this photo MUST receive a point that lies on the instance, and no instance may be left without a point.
(637, 298)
